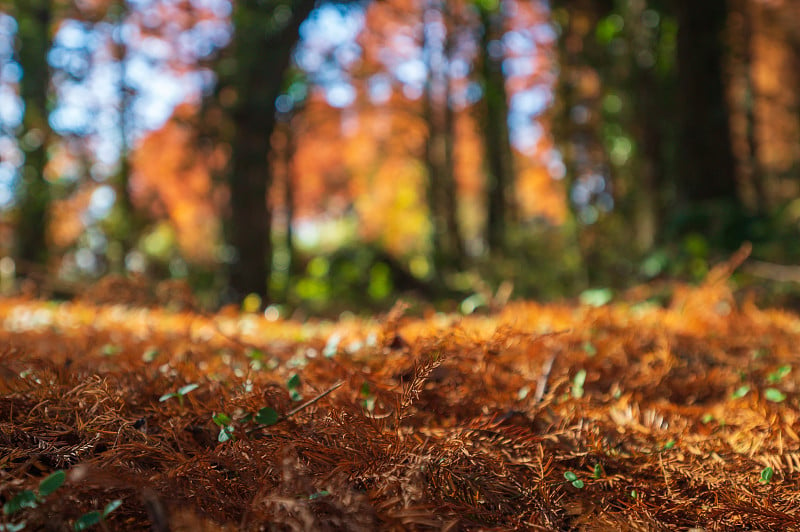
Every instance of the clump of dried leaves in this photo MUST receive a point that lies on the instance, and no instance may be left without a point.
(664, 415)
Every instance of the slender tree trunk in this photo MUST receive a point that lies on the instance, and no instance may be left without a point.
(262, 48)
(442, 192)
(127, 230)
(34, 18)
(497, 140)
(706, 170)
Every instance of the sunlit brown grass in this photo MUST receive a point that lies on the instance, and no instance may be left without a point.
(441, 423)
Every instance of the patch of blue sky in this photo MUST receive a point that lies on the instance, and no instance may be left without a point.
(532, 101)
(10, 108)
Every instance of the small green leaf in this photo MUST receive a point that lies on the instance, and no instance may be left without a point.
(741, 391)
(293, 382)
(255, 354)
(225, 434)
(167, 397)
(150, 355)
(364, 392)
(87, 520)
(110, 350)
(578, 483)
(317, 495)
(569, 475)
(669, 445)
(267, 416)
(766, 475)
(774, 395)
(51, 483)
(707, 418)
(634, 494)
(183, 390)
(110, 507)
(598, 471)
(589, 348)
(12, 527)
(23, 499)
(577, 384)
(779, 374)
(221, 419)
(295, 395)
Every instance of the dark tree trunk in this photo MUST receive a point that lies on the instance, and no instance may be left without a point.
(442, 193)
(34, 18)
(262, 48)
(706, 164)
(497, 141)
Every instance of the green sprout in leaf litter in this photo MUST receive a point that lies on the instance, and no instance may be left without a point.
(766, 475)
(589, 348)
(740, 392)
(267, 416)
(669, 445)
(778, 375)
(51, 483)
(94, 517)
(317, 495)
(598, 471)
(577, 384)
(293, 384)
(180, 393)
(224, 422)
(573, 479)
(774, 395)
(29, 499)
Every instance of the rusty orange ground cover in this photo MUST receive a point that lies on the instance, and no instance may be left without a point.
(555, 417)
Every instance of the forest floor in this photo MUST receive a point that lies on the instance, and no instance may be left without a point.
(629, 416)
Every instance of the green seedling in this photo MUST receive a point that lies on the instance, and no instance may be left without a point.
(707, 418)
(577, 384)
(225, 424)
(774, 395)
(256, 357)
(778, 375)
(589, 348)
(30, 499)
(634, 494)
(598, 471)
(267, 416)
(90, 519)
(110, 350)
(319, 494)
(573, 479)
(293, 384)
(368, 399)
(669, 445)
(150, 355)
(741, 391)
(180, 393)
(766, 475)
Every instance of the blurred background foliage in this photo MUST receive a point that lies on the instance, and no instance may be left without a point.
(331, 155)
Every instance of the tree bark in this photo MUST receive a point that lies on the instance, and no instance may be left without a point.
(34, 18)
(706, 164)
(262, 46)
(442, 191)
(499, 157)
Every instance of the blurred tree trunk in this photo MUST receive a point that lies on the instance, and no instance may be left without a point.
(265, 33)
(705, 157)
(34, 18)
(499, 157)
(442, 193)
(126, 224)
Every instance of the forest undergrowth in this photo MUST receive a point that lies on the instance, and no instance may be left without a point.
(629, 416)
